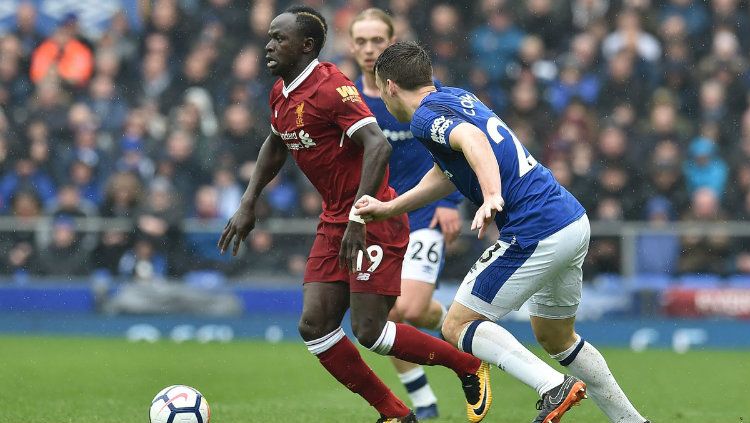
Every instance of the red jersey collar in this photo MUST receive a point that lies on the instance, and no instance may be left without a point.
(299, 79)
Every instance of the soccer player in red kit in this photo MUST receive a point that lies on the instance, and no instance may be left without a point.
(318, 117)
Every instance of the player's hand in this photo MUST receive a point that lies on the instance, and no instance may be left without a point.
(238, 228)
(352, 245)
(449, 220)
(370, 209)
(486, 213)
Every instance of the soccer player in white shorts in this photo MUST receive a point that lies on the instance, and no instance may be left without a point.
(544, 237)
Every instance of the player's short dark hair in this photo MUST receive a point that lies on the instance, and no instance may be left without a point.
(311, 24)
(407, 64)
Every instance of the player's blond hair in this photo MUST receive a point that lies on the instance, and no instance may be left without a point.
(376, 14)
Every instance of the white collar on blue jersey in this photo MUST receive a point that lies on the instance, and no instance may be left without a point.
(299, 79)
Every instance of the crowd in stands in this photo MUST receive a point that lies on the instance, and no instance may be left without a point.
(639, 107)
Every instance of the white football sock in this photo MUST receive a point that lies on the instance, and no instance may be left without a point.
(586, 363)
(385, 342)
(420, 392)
(493, 344)
(324, 343)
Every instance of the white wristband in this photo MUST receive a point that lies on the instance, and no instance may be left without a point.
(355, 217)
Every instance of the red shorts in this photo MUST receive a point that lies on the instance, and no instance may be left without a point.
(386, 244)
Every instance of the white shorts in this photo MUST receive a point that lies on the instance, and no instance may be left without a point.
(425, 255)
(549, 274)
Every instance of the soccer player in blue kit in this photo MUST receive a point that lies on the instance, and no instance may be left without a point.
(431, 226)
(544, 237)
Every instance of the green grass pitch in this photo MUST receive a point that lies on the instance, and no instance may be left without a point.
(88, 380)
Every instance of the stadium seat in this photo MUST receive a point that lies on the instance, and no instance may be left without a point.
(739, 281)
(649, 282)
(699, 281)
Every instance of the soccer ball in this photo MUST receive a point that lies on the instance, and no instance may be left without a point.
(179, 404)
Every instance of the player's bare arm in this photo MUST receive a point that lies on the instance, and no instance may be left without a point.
(377, 152)
(271, 158)
(433, 186)
(475, 146)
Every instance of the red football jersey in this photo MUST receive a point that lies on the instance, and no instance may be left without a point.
(315, 116)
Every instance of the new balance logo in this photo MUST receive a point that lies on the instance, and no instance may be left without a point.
(438, 128)
(363, 277)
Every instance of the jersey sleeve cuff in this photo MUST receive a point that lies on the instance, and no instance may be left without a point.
(275, 132)
(358, 124)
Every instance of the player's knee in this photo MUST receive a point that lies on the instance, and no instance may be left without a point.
(367, 331)
(451, 330)
(395, 315)
(311, 328)
(413, 315)
(553, 342)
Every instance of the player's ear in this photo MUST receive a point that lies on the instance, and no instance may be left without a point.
(391, 87)
(308, 45)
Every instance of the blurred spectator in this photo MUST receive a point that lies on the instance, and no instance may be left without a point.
(241, 140)
(549, 19)
(705, 168)
(604, 252)
(26, 177)
(448, 45)
(630, 36)
(105, 102)
(123, 195)
(18, 248)
(693, 12)
(155, 79)
(701, 253)
(587, 12)
(202, 245)
(726, 64)
(25, 30)
(159, 221)
(143, 263)
(134, 159)
(726, 14)
(187, 171)
(281, 195)
(261, 255)
(665, 177)
(245, 85)
(496, 43)
(311, 203)
(573, 83)
(63, 56)
(83, 177)
(64, 255)
(230, 192)
(49, 104)
(121, 199)
(621, 84)
(15, 88)
(664, 123)
(527, 110)
(658, 252)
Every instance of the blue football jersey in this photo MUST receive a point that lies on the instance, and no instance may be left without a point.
(409, 160)
(536, 205)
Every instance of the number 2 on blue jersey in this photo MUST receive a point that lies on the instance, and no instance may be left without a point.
(525, 163)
